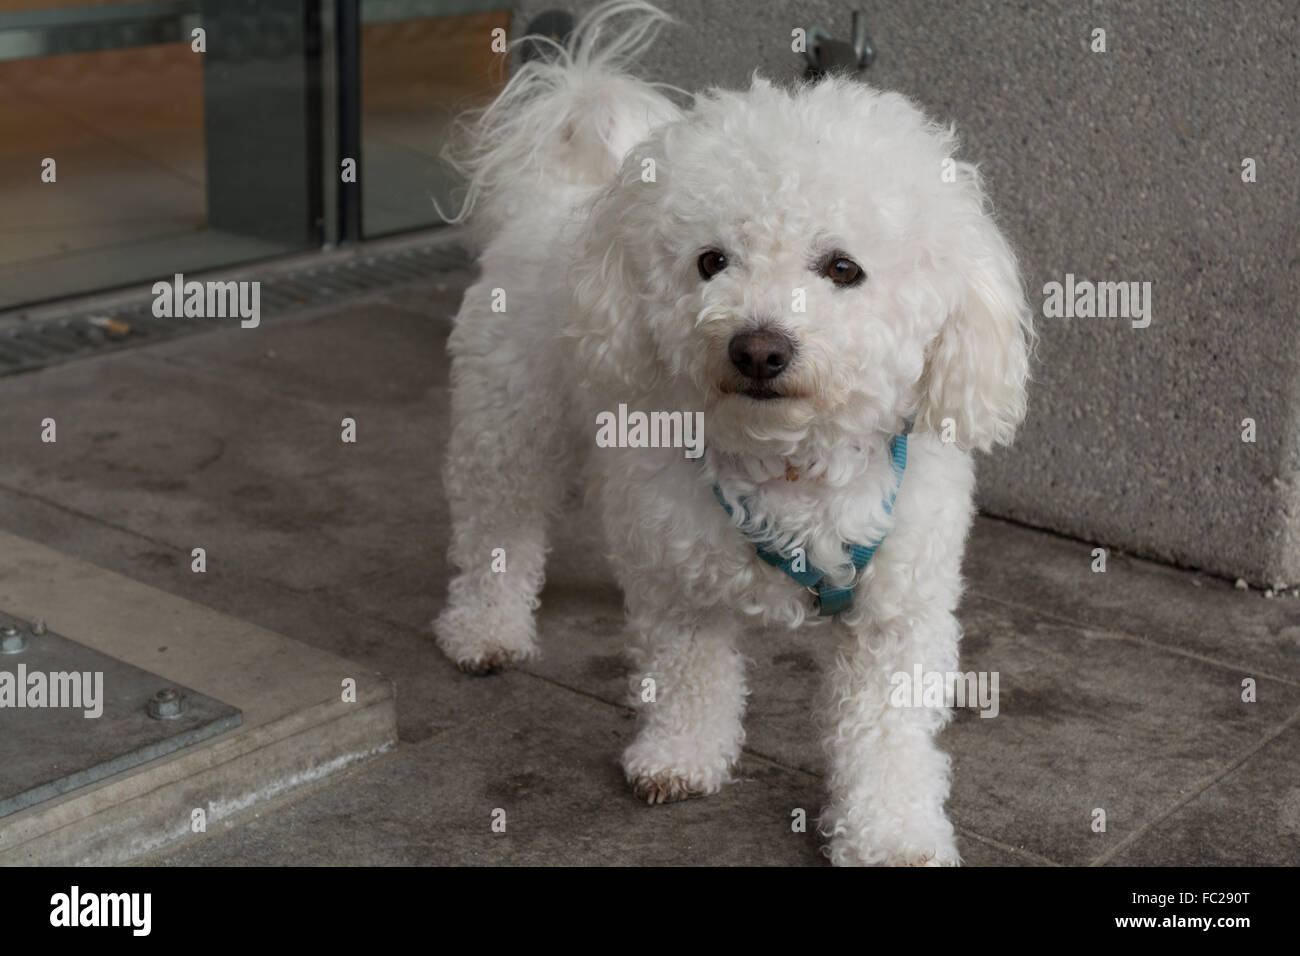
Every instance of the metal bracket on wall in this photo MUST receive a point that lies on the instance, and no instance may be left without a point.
(826, 55)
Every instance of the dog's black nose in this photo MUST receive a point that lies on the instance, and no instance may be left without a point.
(760, 355)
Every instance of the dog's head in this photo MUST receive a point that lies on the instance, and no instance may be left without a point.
(808, 267)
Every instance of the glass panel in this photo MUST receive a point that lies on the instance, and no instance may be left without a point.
(164, 159)
(416, 75)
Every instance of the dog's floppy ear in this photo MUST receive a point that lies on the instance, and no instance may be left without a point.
(607, 315)
(976, 369)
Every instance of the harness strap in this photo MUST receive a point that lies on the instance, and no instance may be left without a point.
(830, 600)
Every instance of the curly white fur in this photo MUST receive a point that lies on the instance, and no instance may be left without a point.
(599, 266)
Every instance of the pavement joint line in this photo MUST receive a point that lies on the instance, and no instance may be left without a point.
(1226, 665)
(1005, 847)
(202, 371)
(179, 363)
(578, 690)
(1114, 551)
(758, 755)
(747, 751)
(964, 830)
(456, 729)
(82, 515)
(780, 764)
(321, 593)
(1118, 634)
(213, 575)
(762, 757)
(301, 314)
(1210, 782)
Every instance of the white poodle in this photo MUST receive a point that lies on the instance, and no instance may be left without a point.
(814, 272)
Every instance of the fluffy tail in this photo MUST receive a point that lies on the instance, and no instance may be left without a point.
(569, 116)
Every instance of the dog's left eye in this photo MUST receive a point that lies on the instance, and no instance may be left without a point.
(711, 263)
(843, 271)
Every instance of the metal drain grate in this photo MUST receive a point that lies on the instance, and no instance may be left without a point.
(37, 343)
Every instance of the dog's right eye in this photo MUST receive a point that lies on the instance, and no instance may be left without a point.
(711, 263)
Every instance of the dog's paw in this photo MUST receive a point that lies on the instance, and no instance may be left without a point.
(664, 787)
(667, 771)
(485, 641)
(941, 851)
(930, 859)
(491, 661)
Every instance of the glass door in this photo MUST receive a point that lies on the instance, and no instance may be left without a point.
(138, 140)
(421, 63)
(143, 139)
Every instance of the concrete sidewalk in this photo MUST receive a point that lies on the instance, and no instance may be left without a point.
(1119, 691)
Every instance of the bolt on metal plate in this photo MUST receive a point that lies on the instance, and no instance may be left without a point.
(12, 640)
(167, 704)
(46, 751)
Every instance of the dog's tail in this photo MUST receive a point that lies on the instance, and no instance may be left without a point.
(568, 116)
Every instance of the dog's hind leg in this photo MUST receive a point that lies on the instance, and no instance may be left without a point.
(505, 474)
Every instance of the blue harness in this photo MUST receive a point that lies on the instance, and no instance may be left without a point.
(829, 599)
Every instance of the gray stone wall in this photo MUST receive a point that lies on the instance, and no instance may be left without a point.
(1117, 166)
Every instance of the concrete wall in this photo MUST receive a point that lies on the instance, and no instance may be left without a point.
(1115, 166)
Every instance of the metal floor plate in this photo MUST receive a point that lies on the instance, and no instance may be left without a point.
(46, 751)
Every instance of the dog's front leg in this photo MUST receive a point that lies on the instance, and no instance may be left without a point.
(689, 682)
(888, 778)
